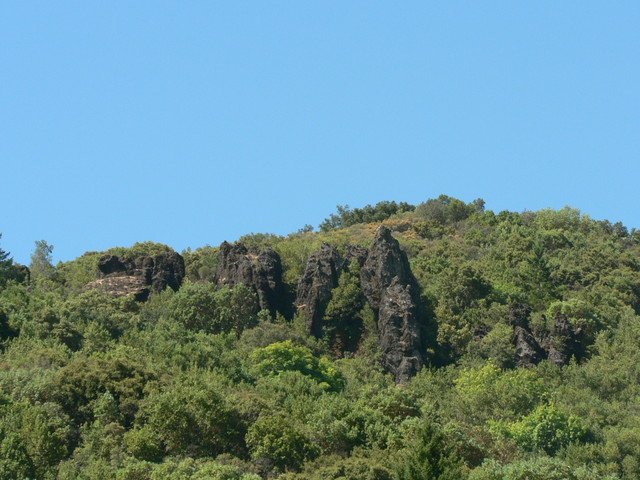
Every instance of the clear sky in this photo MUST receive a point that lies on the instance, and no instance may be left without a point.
(189, 123)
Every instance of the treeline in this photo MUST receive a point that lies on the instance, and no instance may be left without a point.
(199, 384)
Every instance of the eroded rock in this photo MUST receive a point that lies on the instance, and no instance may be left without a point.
(393, 292)
(140, 276)
(320, 277)
(120, 286)
(558, 344)
(357, 253)
(562, 341)
(528, 350)
(399, 330)
(257, 269)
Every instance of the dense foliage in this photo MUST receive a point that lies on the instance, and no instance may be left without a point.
(195, 384)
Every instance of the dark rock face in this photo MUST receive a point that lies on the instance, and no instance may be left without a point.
(558, 345)
(392, 291)
(162, 271)
(528, 350)
(112, 265)
(258, 269)
(357, 253)
(388, 286)
(562, 341)
(385, 261)
(399, 330)
(140, 276)
(320, 277)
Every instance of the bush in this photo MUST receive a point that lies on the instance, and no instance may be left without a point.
(285, 356)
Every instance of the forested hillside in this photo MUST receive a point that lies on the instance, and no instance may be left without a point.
(397, 342)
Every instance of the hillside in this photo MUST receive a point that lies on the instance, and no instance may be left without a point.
(406, 342)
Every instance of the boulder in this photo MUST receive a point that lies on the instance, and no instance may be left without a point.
(162, 271)
(385, 261)
(260, 270)
(320, 277)
(113, 265)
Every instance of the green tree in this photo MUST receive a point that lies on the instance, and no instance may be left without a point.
(201, 306)
(8, 270)
(488, 392)
(33, 439)
(285, 356)
(15, 462)
(429, 458)
(41, 258)
(539, 468)
(342, 324)
(188, 417)
(546, 428)
(274, 439)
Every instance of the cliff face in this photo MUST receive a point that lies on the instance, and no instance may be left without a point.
(140, 276)
(260, 270)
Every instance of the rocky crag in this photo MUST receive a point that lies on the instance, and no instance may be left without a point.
(140, 276)
(393, 292)
(558, 343)
(260, 270)
(320, 277)
(390, 289)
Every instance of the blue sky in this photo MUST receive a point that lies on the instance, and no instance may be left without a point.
(189, 123)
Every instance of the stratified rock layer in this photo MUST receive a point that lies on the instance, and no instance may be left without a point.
(257, 269)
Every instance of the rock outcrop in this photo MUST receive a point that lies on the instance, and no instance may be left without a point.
(399, 330)
(562, 341)
(388, 286)
(121, 286)
(139, 276)
(357, 253)
(320, 277)
(260, 270)
(528, 350)
(557, 344)
(393, 292)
